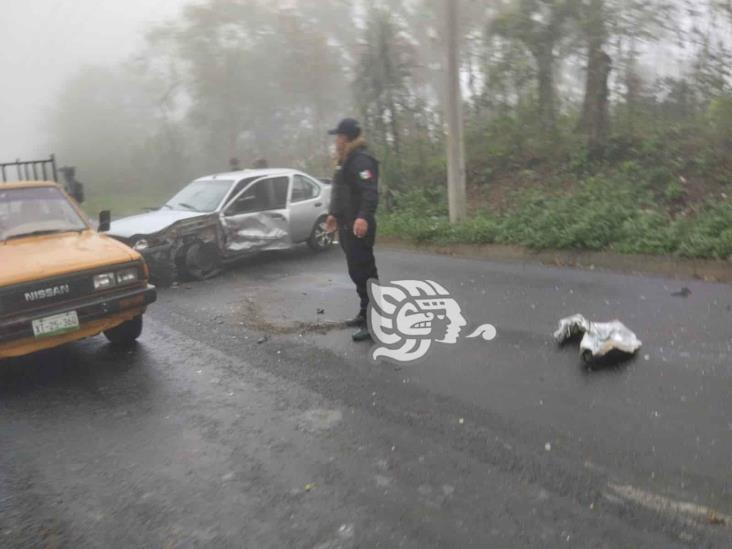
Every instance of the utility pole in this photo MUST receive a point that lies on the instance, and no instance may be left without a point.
(456, 194)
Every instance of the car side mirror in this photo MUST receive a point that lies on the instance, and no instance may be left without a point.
(105, 221)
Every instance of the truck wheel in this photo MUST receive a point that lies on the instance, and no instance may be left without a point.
(200, 261)
(319, 239)
(125, 333)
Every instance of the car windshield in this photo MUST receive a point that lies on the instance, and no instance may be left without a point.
(200, 196)
(36, 210)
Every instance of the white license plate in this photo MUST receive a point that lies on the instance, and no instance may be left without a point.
(56, 324)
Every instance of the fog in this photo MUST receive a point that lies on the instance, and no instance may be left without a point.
(46, 41)
(143, 96)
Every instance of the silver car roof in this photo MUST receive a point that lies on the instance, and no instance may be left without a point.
(241, 174)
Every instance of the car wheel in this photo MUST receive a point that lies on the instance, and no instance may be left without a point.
(320, 239)
(200, 261)
(125, 333)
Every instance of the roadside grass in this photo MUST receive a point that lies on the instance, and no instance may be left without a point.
(662, 185)
(600, 213)
(123, 204)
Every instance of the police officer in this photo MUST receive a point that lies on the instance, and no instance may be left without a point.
(354, 199)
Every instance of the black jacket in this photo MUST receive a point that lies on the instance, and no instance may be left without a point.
(356, 188)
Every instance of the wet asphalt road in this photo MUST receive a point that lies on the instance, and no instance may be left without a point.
(204, 435)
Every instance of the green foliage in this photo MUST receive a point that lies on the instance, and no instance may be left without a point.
(383, 74)
(660, 177)
(414, 226)
(719, 116)
(648, 232)
(591, 218)
(711, 234)
(430, 202)
(482, 229)
(580, 162)
(602, 214)
(674, 191)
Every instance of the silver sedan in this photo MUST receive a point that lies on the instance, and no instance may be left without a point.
(219, 218)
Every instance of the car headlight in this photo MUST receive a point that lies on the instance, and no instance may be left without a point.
(140, 245)
(104, 281)
(128, 275)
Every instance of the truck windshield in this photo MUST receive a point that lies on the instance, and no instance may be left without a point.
(36, 210)
(200, 196)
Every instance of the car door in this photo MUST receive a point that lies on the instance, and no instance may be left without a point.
(257, 218)
(306, 205)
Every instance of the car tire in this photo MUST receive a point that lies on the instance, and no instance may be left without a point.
(319, 239)
(126, 333)
(200, 261)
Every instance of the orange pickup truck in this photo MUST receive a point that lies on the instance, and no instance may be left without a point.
(60, 280)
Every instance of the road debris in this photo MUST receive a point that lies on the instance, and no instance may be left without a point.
(344, 538)
(715, 520)
(319, 419)
(683, 292)
(599, 338)
(263, 339)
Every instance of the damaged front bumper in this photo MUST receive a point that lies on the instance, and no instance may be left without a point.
(160, 261)
(197, 247)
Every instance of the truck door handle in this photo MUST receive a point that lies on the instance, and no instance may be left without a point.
(318, 204)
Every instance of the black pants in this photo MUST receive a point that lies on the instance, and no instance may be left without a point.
(360, 259)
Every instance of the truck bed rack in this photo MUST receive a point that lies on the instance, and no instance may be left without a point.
(29, 170)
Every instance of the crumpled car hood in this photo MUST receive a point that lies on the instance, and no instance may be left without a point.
(149, 223)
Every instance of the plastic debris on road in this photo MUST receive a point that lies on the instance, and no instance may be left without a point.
(598, 338)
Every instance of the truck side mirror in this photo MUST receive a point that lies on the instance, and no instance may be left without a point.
(105, 220)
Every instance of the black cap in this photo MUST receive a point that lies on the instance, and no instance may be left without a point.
(348, 127)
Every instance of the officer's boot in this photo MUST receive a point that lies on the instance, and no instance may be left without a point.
(362, 335)
(358, 321)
